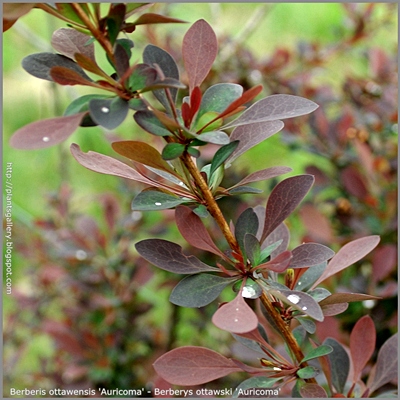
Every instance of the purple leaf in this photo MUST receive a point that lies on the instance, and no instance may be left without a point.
(187, 366)
(45, 133)
(279, 233)
(121, 59)
(386, 368)
(309, 254)
(348, 255)
(107, 165)
(253, 134)
(68, 42)
(313, 391)
(362, 344)
(330, 310)
(280, 263)
(192, 229)
(275, 107)
(284, 198)
(235, 316)
(169, 257)
(199, 49)
(262, 175)
(199, 290)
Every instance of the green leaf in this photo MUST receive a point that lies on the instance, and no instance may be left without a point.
(340, 364)
(244, 190)
(198, 290)
(150, 200)
(172, 150)
(254, 382)
(307, 324)
(320, 351)
(150, 123)
(193, 152)
(205, 119)
(201, 211)
(82, 103)
(252, 248)
(269, 249)
(319, 294)
(307, 372)
(218, 97)
(222, 154)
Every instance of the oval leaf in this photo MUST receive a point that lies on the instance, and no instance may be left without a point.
(215, 137)
(68, 42)
(199, 49)
(313, 391)
(362, 344)
(348, 255)
(108, 113)
(334, 309)
(275, 107)
(187, 366)
(153, 200)
(307, 372)
(310, 276)
(319, 351)
(310, 254)
(150, 123)
(169, 257)
(45, 133)
(246, 223)
(198, 290)
(235, 316)
(284, 198)
(192, 229)
(221, 155)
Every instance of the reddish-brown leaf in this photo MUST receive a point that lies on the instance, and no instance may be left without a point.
(199, 49)
(90, 65)
(354, 182)
(284, 198)
(362, 344)
(235, 316)
(187, 366)
(384, 261)
(262, 175)
(150, 18)
(12, 11)
(192, 229)
(334, 309)
(348, 255)
(46, 133)
(312, 391)
(65, 76)
(278, 264)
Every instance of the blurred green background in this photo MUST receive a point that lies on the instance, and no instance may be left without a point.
(262, 28)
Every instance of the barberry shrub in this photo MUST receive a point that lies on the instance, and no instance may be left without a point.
(266, 282)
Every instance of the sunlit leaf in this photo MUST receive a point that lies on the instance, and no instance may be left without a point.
(198, 290)
(169, 257)
(262, 175)
(339, 364)
(192, 229)
(199, 49)
(253, 134)
(40, 64)
(275, 107)
(153, 200)
(362, 344)
(386, 368)
(348, 255)
(235, 316)
(150, 123)
(310, 254)
(284, 198)
(45, 133)
(68, 42)
(109, 113)
(187, 366)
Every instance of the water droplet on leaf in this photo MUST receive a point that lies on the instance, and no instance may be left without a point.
(248, 292)
(157, 204)
(304, 308)
(45, 139)
(81, 255)
(236, 320)
(105, 110)
(293, 298)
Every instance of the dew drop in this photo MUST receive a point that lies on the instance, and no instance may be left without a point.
(81, 255)
(157, 204)
(105, 110)
(181, 184)
(276, 369)
(368, 303)
(237, 309)
(46, 139)
(304, 308)
(299, 283)
(236, 320)
(248, 292)
(293, 298)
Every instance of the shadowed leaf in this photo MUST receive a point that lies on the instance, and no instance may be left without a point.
(275, 107)
(246, 223)
(187, 366)
(310, 254)
(386, 365)
(151, 18)
(68, 42)
(150, 123)
(348, 255)
(262, 175)
(199, 49)
(142, 153)
(198, 290)
(235, 316)
(154, 200)
(221, 155)
(253, 134)
(279, 233)
(244, 190)
(252, 248)
(339, 363)
(108, 113)
(192, 229)
(45, 133)
(313, 391)
(40, 64)
(362, 344)
(284, 198)
(169, 257)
